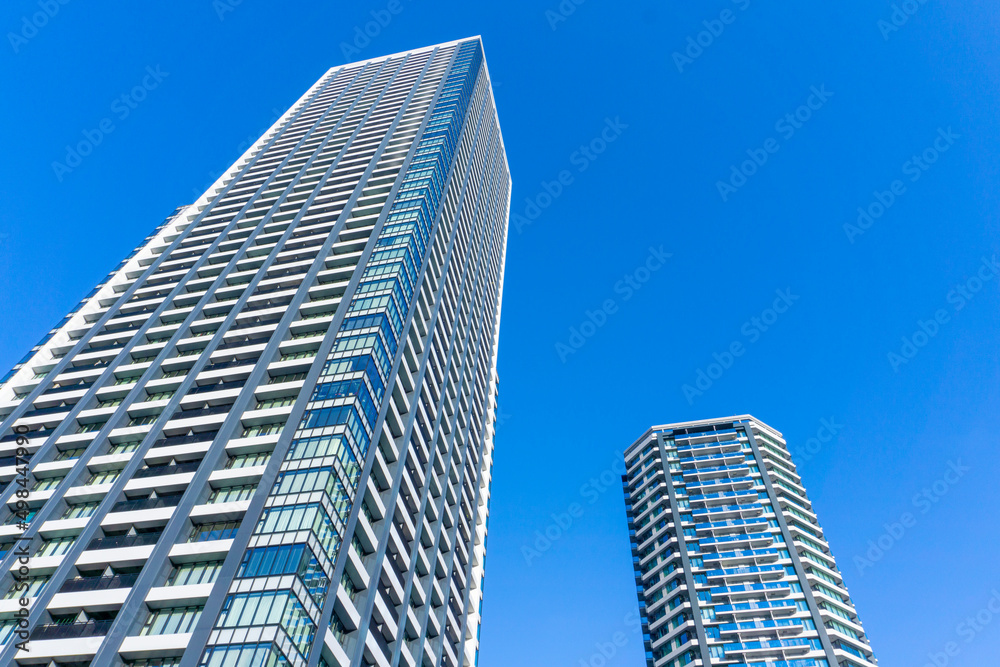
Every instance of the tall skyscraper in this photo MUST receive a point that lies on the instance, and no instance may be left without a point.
(731, 566)
(267, 437)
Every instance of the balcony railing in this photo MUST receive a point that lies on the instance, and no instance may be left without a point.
(207, 436)
(72, 630)
(146, 503)
(166, 470)
(79, 584)
(120, 541)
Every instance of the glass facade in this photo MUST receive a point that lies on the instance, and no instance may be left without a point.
(266, 438)
(731, 565)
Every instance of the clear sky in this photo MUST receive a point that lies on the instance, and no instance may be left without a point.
(698, 191)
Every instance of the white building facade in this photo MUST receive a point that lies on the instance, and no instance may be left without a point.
(267, 437)
(731, 564)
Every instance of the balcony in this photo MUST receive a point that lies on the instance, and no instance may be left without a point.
(207, 436)
(146, 503)
(71, 630)
(79, 584)
(166, 470)
(122, 541)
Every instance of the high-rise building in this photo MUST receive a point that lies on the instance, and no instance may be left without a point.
(731, 565)
(266, 438)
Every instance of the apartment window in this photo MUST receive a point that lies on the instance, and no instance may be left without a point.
(238, 655)
(269, 608)
(220, 530)
(261, 429)
(111, 402)
(47, 483)
(291, 377)
(128, 380)
(103, 477)
(27, 588)
(125, 447)
(275, 402)
(56, 547)
(90, 428)
(175, 374)
(248, 460)
(231, 494)
(171, 621)
(69, 454)
(143, 420)
(80, 511)
(189, 574)
(159, 396)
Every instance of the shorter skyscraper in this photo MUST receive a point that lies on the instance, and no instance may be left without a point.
(731, 566)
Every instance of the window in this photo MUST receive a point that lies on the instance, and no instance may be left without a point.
(80, 511)
(159, 396)
(262, 655)
(269, 608)
(220, 530)
(232, 494)
(27, 588)
(261, 429)
(248, 460)
(171, 620)
(90, 428)
(188, 574)
(56, 547)
(103, 477)
(143, 420)
(47, 483)
(69, 454)
(125, 447)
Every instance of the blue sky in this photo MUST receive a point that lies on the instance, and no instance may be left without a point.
(742, 159)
